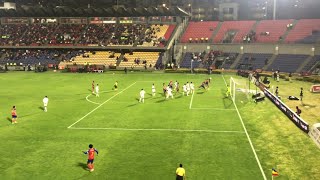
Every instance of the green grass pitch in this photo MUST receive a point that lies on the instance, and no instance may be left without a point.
(143, 141)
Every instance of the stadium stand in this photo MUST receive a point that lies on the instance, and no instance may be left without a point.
(188, 57)
(304, 28)
(139, 60)
(37, 34)
(268, 31)
(233, 31)
(197, 30)
(287, 62)
(67, 34)
(169, 31)
(96, 57)
(311, 64)
(11, 33)
(96, 34)
(255, 61)
(127, 34)
(25, 57)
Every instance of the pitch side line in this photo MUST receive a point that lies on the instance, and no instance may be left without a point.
(246, 132)
(101, 105)
(172, 130)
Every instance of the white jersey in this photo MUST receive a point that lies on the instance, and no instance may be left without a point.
(184, 87)
(142, 92)
(169, 90)
(176, 84)
(97, 89)
(188, 87)
(45, 101)
(192, 86)
(153, 88)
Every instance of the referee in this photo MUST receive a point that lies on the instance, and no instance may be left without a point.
(181, 173)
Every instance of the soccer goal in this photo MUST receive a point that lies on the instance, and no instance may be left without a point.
(239, 90)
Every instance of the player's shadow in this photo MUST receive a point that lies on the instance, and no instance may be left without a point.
(82, 165)
(160, 101)
(131, 105)
(40, 107)
(200, 92)
(9, 119)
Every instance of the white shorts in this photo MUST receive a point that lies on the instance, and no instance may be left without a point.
(153, 90)
(45, 104)
(142, 97)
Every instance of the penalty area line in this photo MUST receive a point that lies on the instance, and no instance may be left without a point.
(191, 101)
(168, 130)
(100, 105)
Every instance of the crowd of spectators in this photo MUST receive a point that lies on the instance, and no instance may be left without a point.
(40, 34)
(24, 57)
(37, 34)
(97, 34)
(11, 33)
(127, 34)
(67, 34)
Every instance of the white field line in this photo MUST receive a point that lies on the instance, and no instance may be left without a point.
(217, 109)
(93, 101)
(101, 105)
(250, 142)
(167, 130)
(191, 101)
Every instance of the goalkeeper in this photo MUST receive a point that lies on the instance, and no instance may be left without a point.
(228, 92)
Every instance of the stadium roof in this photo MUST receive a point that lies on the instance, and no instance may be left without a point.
(92, 12)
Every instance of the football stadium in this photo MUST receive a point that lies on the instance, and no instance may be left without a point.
(160, 89)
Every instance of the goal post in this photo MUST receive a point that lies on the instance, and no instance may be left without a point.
(239, 90)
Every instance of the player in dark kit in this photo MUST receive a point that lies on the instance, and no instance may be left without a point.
(90, 153)
(164, 89)
(92, 87)
(301, 94)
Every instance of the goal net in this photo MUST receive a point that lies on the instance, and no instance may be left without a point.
(239, 90)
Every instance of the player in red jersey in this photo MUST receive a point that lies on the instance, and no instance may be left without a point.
(90, 153)
(14, 115)
(92, 87)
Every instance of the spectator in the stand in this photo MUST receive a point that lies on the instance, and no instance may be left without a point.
(266, 61)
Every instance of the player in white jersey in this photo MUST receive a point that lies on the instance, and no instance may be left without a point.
(191, 87)
(169, 92)
(184, 87)
(142, 93)
(188, 88)
(176, 85)
(153, 88)
(45, 103)
(97, 90)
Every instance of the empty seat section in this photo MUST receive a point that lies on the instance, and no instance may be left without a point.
(303, 29)
(241, 27)
(274, 28)
(287, 62)
(199, 30)
(256, 61)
